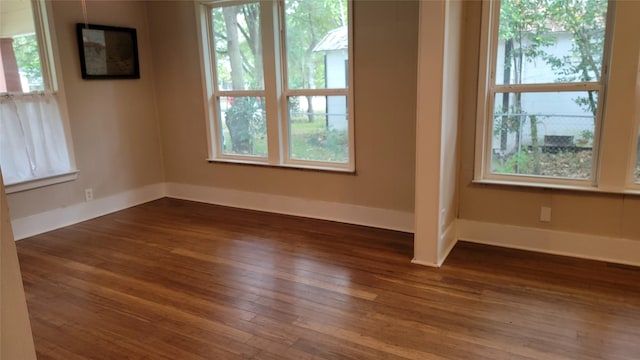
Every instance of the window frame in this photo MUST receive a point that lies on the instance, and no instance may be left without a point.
(488, 89)
(632, 184)
(276, 91)
(52, 81)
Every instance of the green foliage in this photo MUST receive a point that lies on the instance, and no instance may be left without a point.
(563, 164)
(585, 20)
(508, 119)
(529, 25)
(238, 52)
(240, 38)
(245, 121)
(585, 139)
(518, 163)
(525, 32)
(312, 141)
(525, 23)
(307, 22)
(294, 105)
(28, 58)
(528, 28)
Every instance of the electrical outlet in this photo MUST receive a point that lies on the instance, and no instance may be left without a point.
(545, 214)
(88, 194)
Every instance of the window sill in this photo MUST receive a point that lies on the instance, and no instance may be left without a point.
(323, 168)
(551, 186)
(531, 184)
(632, 191)
(41, 182)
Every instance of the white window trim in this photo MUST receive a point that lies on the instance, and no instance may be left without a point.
(275, 91)
(484, 119)
(41, 182)
(52, 79)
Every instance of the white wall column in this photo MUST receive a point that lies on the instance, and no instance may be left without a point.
(437, 130)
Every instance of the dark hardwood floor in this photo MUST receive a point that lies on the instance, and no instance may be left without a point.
(174, 279)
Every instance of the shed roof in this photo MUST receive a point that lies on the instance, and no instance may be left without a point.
(335, 39)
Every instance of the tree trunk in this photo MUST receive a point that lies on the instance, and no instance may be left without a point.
(233, 46)
(238, 116)
(251, 13)
(517, 103)
(310, 108)
(310, 68)
(508, 46)
(535, 148)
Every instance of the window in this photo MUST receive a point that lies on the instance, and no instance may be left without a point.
(277, 78)
(33, 133)
(541, 97)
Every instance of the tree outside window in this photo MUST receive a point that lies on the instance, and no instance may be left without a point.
(313, 49)
(553, 43)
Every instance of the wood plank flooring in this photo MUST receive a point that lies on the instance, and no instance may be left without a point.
(173, 279)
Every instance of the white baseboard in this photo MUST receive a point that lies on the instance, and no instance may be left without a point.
(448, 239)
(57, 218)
(346, 213)
(446, 242)
(603, 248)
(594, 247)
(424, 263)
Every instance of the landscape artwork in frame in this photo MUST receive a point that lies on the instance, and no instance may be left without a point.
(108, 52)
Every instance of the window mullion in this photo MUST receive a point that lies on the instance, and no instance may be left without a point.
(284, 85)
(316, 92)
(234, 93)
(272, 87)
(553, 87)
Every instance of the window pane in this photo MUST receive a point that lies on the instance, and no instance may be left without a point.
(21, 70)
(539, 41)
(238, 47)
(545, 134)
(318, 128)
(243, 125)
(317, 44)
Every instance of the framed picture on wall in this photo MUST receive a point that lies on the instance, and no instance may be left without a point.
(108, 52)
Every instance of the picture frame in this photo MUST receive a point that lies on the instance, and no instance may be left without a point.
(107, 52)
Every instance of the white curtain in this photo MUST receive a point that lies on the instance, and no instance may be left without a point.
(32, 138)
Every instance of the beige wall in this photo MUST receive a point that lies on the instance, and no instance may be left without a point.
(385, 55)
(113, 122)
(582, 212)
(116, 125)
